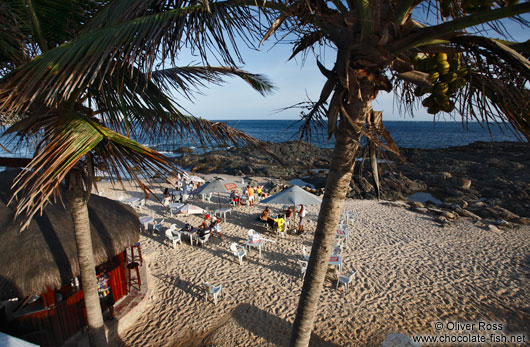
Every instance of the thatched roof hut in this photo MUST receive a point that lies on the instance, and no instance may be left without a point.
(45, 255)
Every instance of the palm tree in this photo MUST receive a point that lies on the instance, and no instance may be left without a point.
(81, 90)
(384, 45)
(378, 45)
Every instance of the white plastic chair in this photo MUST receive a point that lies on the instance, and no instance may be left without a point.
(238, 251)
(303, 267)
(345, 279)
(157, 226)
(172, 237)
(184, 198)
(338, 246)
(140, 204)
(202, 240)
(252, 234)
(345, 237)
(304, 252)
(214, 290)
(206, 197)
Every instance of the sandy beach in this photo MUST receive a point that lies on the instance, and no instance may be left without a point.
(411, 273)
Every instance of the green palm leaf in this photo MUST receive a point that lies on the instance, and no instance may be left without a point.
(68, 139)
(81, 62)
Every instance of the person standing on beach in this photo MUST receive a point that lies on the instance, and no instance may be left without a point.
(250, 195)
(301, 214)
(104, 291)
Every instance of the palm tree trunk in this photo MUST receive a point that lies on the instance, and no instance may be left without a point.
(339, 177)
(85, 254)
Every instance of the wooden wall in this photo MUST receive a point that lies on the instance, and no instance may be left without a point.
(58, 321)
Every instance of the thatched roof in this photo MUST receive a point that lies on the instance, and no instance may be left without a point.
(45, 254)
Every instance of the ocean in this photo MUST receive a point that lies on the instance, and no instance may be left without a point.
(407, 134)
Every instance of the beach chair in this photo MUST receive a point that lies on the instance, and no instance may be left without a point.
(214, 290)
(345, 279)
(206, 197)
(140, 205)
(265, 225)
(338, 246)
(243, 200)
(346, 237)
(238, 251)
(184, 198)
(203, 240)
(303, 267)
(304, 252)
(157, 226)
(346, 218)
(173, 238)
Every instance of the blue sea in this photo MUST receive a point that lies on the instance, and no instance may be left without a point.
(409, 134)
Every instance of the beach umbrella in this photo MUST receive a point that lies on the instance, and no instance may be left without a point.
(190, 209)
(293, 196)
(218, 185)
(196, 179)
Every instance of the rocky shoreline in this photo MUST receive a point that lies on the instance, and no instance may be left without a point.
(481, 180)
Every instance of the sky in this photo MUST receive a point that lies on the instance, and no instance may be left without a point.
(294, 80)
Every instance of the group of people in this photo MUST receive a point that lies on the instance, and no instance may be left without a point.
(182, 189)
(286, 216)
(185, 185)
(209, 225)
(168, 198)
(249, 194)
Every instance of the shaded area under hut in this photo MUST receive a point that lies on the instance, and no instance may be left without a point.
(40, 295)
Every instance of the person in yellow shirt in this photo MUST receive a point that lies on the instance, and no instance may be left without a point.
(280, 224)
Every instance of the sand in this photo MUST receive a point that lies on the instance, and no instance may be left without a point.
(411, 273)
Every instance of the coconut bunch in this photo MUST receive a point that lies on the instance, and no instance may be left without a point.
(446, 75)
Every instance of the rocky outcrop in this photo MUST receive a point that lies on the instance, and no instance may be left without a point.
(488, 180)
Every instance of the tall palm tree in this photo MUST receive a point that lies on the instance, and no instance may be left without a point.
(378, 44)
(83, 88)
(415, 48)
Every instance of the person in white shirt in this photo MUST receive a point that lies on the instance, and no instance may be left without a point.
(301, 214)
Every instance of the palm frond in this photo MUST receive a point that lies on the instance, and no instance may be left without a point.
(491, 47)
(191, 77)
(69, 138)
(12, 39)
(143, 108)
(79, 63)
(306, 41)
(451, 27)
